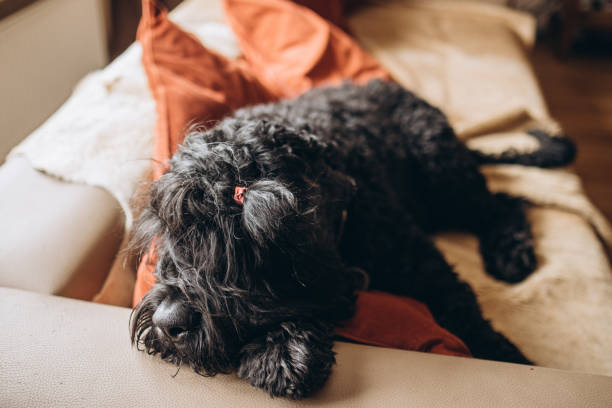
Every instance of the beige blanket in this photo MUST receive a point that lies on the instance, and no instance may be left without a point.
(469, 59)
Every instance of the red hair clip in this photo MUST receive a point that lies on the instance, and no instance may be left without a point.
(239, 195)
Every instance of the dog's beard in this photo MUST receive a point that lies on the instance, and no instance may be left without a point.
(209, 349)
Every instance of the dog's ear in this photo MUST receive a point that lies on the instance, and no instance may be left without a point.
(268, 206)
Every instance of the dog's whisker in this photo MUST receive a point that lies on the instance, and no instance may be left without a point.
(178, 368)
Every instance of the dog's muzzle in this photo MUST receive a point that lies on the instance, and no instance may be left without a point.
(174, 320)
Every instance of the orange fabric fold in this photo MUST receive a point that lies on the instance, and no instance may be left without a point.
(330, 10)
(288, 49)
(190, 83)
(292, 49)
(386, 320)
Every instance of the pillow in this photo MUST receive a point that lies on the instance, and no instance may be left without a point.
(287, 50)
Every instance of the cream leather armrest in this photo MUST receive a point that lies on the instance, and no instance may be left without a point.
(69, 353)
(56, 237)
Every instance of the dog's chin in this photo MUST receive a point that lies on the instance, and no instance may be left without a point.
(154, 343)
(203, 350)
(191, 351)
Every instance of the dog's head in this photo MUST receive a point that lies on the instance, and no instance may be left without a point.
(245, 225)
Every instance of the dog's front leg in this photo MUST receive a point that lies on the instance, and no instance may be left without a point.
(293, 360)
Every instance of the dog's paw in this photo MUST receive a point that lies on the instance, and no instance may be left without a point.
(289, 363)
(509, 257)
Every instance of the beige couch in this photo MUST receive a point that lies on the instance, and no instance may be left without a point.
(68, 353)
(61, 238)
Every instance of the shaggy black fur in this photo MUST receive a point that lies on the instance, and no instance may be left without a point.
(258, 288)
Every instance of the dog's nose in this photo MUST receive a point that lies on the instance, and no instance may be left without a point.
(174, 318)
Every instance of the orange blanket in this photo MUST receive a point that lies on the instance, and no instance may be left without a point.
(287, 49)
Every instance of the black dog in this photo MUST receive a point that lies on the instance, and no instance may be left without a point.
(261, 221)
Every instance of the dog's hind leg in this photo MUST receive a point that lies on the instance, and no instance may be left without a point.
(453, 194)
(499, 221)
(402, 260)
(423, 273)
